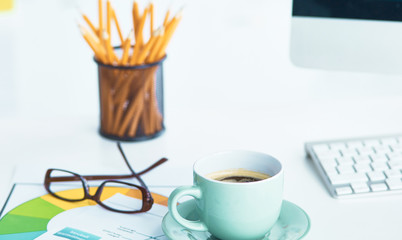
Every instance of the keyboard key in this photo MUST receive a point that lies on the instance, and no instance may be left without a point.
(394, 156)
(329, 154)
(329, 169)
(382, 149)
(394, 183)
(371, 142)
(393, 173)
(347, 178)
(377, 187)
(362, 167)
(365, 150)
(388, 141)
(397, 147)
(360, 187)
(349, 152)
(395, 164)
(319, 148)
(344, 169)
(379, 166)
(379, 158)
(345, 161)
(337, 146)
(343, 190)
(362, 159)
(376, 176)
(329, 161)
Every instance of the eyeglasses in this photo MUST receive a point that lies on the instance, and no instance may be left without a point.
(114, 195)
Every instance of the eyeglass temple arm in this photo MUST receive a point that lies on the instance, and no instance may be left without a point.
(142, 172)
(159, 162)
(89, 177)
(103, 177)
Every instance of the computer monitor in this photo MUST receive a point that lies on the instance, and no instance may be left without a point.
(355, 35)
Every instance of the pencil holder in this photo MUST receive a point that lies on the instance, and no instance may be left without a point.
(131, 101)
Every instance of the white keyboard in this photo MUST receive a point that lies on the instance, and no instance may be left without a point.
(359, 167)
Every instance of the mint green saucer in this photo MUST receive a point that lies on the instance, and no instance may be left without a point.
(293, 224)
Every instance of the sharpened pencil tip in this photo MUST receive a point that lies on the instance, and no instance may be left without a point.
(180, 12)
(82, 29)
(131, 34)
(159, 31)
(105, 35)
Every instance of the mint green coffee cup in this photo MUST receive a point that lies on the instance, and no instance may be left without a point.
(233, 210)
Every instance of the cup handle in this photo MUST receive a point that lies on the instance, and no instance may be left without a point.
(179, 192)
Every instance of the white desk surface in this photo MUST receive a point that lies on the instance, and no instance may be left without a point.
(229, 84)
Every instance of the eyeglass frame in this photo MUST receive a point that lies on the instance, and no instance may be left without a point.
(147, 199)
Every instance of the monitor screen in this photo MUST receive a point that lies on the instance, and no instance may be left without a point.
(390, 10)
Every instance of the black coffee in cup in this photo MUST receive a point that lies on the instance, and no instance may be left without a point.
(237, 176)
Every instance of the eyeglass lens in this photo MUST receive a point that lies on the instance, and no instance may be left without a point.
(70, 190)
(122, 197)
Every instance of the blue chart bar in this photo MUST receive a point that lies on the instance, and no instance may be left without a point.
(19, 236)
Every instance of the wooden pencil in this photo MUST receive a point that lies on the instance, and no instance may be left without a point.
(121, 97)
(108, 21)
(154, 50)
(165, 21)
(145, 51)
(116, 22)
(151, 23)
(130, 113)
(90, 24)
(136, 16)
(126, 49)
(152, 102)
(135, 120)
(169, 33)
(108, 47)
(105, 99)
(94, 43)
(100, 14)
(138, 37)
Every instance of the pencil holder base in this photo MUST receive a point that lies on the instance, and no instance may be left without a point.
(132, 139)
